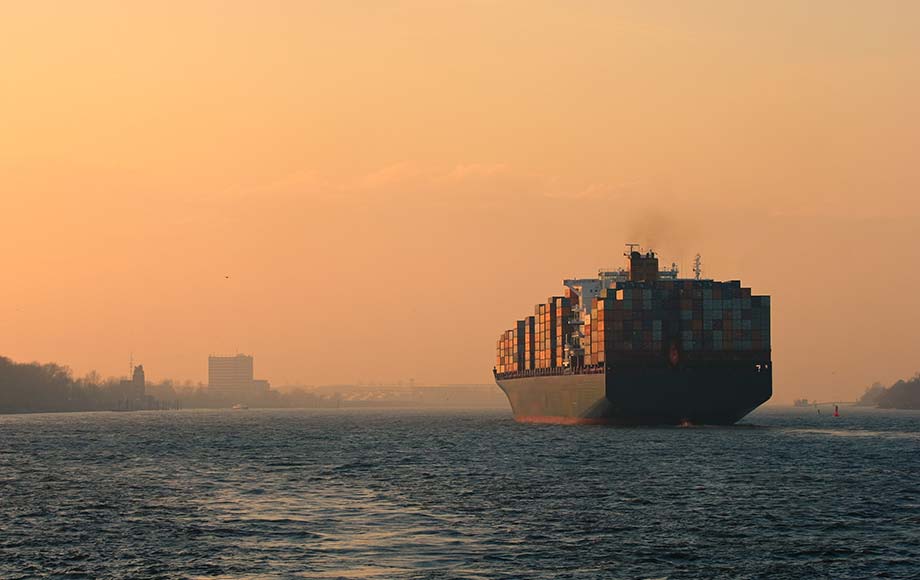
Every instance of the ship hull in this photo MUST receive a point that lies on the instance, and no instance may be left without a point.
(641, 395)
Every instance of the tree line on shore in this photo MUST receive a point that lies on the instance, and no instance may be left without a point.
(901, 395)
(49, 387)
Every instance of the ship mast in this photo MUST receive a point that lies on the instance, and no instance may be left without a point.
(697, 267)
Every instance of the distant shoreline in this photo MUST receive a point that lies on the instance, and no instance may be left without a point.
(231, 410)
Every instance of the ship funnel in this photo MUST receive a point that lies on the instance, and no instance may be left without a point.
(643, 267)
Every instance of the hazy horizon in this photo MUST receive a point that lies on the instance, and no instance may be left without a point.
(374, 192)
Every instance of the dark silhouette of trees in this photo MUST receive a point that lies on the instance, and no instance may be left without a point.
(36, 388)
(871, 396)
(901, 395)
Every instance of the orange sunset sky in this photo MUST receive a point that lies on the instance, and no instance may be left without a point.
(388, 185)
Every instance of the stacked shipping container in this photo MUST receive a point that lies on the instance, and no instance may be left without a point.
(512, 347)
(690, 315)
(638, 319)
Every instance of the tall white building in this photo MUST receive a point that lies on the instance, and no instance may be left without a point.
(232, 377)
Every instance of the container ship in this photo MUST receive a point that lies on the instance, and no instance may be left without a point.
(639, 346)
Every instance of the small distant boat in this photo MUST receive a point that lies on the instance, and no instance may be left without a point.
(801, 403)
(239, 407)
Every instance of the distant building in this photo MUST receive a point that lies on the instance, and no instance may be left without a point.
(231, 377)
(135, 388)
(134, 391)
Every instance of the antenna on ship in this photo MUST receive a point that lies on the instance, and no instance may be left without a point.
(697, 267)
(632, 248)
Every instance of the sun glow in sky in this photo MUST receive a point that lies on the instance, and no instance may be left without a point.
(375, 190)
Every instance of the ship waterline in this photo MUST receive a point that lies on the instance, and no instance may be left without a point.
(698, 395)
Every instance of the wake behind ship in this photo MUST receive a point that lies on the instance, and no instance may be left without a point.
(640, 347)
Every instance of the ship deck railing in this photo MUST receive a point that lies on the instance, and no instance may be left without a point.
(551, 372)
(759, 360)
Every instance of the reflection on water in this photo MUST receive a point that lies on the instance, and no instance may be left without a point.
(346, 526)
(400, 494)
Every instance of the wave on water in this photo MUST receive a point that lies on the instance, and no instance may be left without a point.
(417, 495)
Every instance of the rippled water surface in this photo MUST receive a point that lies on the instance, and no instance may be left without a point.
(427, 494)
